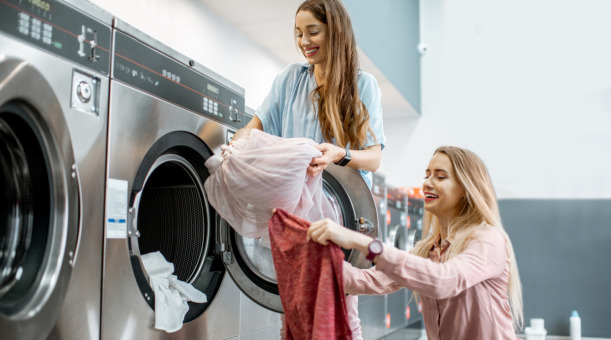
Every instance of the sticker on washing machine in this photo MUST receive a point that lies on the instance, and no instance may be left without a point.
(116, 208)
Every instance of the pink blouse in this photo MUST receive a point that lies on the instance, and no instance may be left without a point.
(462, 298)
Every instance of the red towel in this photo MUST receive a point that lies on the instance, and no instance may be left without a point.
(309, 280)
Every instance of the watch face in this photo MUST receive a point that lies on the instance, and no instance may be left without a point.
(376, 247)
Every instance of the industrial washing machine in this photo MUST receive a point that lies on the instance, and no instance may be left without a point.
(372, 308)
(404, 229)
(54, 69)
(167, 116)
(398, 311)
(415, 215)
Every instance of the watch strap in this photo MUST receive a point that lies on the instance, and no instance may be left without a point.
(372, 253)
(345, 160)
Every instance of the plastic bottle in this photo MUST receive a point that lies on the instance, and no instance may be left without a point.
(536, 331)
(575, 326)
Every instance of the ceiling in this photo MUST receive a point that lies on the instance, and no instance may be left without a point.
(270, 24)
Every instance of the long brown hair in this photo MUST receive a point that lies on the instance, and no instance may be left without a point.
(342, 115)
(480, 208)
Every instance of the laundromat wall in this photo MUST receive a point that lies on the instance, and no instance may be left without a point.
(193, 29)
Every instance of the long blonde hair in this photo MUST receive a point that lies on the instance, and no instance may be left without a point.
(480, 207)
(342, 115)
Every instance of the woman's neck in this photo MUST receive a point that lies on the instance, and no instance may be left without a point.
(319, 74)
(443, 227)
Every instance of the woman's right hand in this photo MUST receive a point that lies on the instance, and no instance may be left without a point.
(326, 230)
(243, 132)
(254, 123)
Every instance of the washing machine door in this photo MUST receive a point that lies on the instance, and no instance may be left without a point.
(39, 202)
(169, 212)
(249, 261)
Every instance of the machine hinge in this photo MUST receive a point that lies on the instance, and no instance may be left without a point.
(226, 257)
(364, 225)
(131, 227)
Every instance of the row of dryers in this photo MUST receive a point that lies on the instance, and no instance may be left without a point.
(104, 132)
(400, 214)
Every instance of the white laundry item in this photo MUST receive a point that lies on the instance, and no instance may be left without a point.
(171, 294)
(260, 172)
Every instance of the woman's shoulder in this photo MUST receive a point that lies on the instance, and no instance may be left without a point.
(491, 234)
(368, 85)
(365, 78)
(294, 68)
(291, 72)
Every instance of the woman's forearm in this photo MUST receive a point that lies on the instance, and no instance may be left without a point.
(254, 123)
(368, 159)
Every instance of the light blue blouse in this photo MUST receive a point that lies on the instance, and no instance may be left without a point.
(288, 110)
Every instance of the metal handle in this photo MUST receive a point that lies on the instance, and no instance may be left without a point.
(233, 109)
(93, 43)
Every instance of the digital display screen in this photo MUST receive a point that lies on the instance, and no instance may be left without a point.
(41, 4)
(212, 88)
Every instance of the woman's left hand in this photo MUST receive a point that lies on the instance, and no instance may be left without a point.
(330, 153)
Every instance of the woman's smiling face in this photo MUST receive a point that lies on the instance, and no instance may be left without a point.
(311, 37)
(443, 192)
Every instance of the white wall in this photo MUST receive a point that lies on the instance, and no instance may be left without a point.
(195, 31)
(525, 84)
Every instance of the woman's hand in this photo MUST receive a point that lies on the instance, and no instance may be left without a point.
(330, 153)
(326, 230)
(254, 123)
(241, 133)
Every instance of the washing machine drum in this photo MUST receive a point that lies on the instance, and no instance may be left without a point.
(177, 230)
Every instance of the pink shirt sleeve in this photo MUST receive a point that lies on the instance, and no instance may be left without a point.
(483, 259)
(367, 281)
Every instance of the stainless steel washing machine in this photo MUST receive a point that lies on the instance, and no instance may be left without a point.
(398, 309)
(54, 69)
(372, 308)
(415, 215)
(167, 116)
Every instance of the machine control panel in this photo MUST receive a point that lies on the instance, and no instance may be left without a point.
(59, 29)
(151, 71)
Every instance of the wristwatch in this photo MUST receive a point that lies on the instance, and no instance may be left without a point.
(345, 160)
(375, 248)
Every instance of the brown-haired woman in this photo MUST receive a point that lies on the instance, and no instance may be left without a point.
(328, 99)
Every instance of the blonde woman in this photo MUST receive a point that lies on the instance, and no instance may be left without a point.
(464, 271)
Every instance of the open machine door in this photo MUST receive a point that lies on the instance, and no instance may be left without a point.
(250, 263)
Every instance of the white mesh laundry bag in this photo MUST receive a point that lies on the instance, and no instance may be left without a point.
(261, 172)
